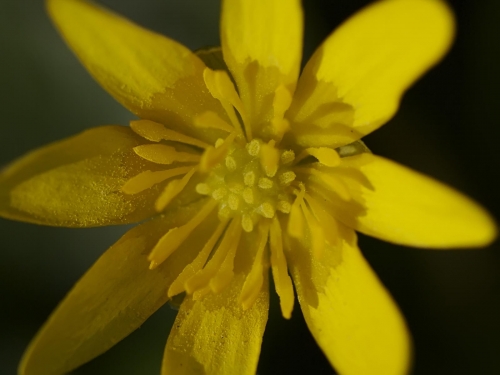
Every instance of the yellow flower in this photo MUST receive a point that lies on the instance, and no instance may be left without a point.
(241, 166)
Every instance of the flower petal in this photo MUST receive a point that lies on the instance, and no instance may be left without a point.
(153, 76)
(262, 47)
(112, 299)
(355, 80)
(76, 182)
(406, 207)
(214, 335)
(349, 312)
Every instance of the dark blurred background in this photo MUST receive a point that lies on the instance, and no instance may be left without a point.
(448, 127)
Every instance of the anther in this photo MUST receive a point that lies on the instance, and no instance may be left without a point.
(287, 156)
(203, 189)
(265, 183)
(286, 178)
(231, 163)
(267, 210)
(284, 207)
(248, 195)
(247, 223)
(233, 201)
(219, 142)
(249, 178)
(253, 148)
(224, 212)
(219, 193)
(236, 188)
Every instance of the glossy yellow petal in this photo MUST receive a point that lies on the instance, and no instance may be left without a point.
(355, 80)
(349, 312)
(112, 299)
(406, 207)
(214, 335)
(153, 76)
(77, 181)
(262, 47)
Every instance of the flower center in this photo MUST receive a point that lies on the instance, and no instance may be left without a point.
(248, 181)
(251, 182)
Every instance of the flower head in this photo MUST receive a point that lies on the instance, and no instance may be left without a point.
(241, 167)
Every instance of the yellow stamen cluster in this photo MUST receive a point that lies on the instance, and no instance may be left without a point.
(251, 182)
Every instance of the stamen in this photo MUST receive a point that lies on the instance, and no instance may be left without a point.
(316, 232)
(236, 188)
(192, 268)
(280, 128)
(199, 294)
(329, 181)
(203, 189)
(162, 154)
(286, 178)
(248, 195)
(296, 220)
(219, 193)
(213, 156)
(282, 281)
(231, 163)
(267, 210)
(172, 190)
(225, 273)
(233, 202)
(249, 178)
(155, 132)
(224, 212)
(254, 280)
(227, 246)
(253, 147)
(287, 156)
(222, 88)
(247, 223)
(219, 142)
(265, 183)
(147, 179)
(327, 222)
(176, 236)
(269, 158)
(284, 207)
(211, 120)
(326, 156)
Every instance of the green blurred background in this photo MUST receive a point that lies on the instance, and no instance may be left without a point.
(448, 127)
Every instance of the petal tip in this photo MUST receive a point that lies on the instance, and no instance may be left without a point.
(485, 232)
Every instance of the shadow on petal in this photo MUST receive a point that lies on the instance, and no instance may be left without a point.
(112, 299)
